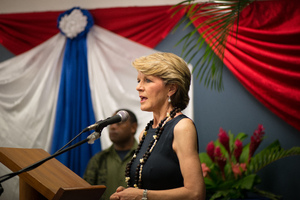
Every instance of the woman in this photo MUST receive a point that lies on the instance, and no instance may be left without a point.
(166, 164)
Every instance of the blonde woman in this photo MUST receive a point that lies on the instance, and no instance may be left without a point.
(166, 164)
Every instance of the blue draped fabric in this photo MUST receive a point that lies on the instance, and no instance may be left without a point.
(74, 105)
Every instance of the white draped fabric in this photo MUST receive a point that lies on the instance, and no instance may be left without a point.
(29, 86)
(112, 77)
(28, 94)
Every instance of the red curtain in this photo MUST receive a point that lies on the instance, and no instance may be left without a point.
(145, 25)
(23, 31)
(265, 56)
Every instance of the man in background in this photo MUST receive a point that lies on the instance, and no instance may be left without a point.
(108, 166)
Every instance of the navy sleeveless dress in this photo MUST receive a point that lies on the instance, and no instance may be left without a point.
(161, 171)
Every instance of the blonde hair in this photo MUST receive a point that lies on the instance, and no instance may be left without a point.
(172, 70)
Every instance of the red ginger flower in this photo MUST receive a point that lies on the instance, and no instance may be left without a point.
(224, 139)
(256, 139)
(210, 149)
(218, 152)
(221, 160)
(238, 148)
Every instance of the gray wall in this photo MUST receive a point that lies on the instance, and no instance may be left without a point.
(237, 110)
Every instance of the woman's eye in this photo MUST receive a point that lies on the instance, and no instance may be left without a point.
(148, 80)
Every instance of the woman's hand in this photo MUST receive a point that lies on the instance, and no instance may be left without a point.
(115, 195)
(127, 194)
(120, 189)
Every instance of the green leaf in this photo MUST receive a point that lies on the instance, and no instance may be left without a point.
(204, 158)
(215, 174)
(269, 155)
(231, 141)
(246, 182)
(266, 194)
(245, 154)
(241, 136)
(209, 183)
(219, 19)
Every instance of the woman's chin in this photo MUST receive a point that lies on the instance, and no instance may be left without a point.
(145, 108)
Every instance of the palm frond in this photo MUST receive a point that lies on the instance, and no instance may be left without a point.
(220, 17)
(269, 155)
(266, 194)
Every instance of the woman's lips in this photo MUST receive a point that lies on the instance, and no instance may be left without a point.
(142, 99)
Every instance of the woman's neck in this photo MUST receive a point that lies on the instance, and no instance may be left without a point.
(160, 115)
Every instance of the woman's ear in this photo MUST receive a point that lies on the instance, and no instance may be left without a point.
(173, 88)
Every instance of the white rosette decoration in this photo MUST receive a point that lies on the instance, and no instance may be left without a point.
(73, 24)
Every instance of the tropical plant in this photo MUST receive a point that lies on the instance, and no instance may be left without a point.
(217, 19)
(230, 169)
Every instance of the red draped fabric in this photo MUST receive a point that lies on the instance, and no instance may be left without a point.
(23, 31)
(265, 57)
(145, 25)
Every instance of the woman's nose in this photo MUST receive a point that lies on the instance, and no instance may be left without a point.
(139, 86)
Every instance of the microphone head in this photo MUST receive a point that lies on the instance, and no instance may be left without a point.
(124, 115)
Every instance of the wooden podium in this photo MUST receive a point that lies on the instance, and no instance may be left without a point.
(52, 180)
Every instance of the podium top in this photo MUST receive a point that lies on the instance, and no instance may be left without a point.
(48, 178)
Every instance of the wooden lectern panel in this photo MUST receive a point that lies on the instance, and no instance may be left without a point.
(77, 193)
(52, 179)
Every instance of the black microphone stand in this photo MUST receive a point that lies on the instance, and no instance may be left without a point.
(90, 139)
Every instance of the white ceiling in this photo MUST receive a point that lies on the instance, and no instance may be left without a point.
(18, 6)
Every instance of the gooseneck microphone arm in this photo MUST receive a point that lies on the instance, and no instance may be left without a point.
(98, 126)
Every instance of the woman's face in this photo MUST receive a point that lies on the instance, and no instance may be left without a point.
(153, 92)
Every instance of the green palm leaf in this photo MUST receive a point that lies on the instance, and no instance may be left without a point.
(270, 154)
(219, 19)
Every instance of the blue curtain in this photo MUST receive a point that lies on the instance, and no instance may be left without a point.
(74, 107)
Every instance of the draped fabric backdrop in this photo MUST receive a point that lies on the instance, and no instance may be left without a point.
(265, 59)
(56, 86)
(265, 55)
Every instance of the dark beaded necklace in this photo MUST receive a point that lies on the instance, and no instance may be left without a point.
(139, 168)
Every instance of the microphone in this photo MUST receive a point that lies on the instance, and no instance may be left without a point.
(121, 116)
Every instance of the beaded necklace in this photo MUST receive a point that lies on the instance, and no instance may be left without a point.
(139, 169)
